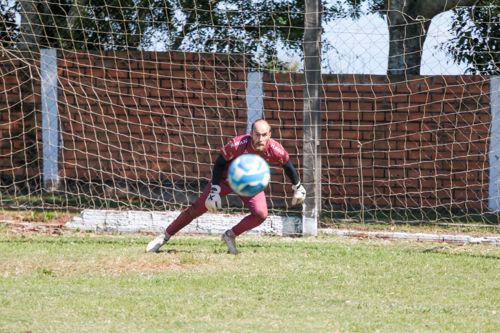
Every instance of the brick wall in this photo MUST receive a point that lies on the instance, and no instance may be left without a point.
(148, 116)
(416, 142)
(20, 121)
(156, 117)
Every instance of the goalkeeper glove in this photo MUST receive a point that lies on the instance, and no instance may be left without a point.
(213, 201)
(299, 194)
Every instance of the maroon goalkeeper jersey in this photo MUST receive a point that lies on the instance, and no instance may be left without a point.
(274, 153)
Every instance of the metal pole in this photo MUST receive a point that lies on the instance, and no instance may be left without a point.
(311, 177)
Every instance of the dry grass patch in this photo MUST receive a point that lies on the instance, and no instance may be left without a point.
(87, 254)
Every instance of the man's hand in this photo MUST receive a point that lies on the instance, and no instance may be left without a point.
(213, 201)
(299, 194)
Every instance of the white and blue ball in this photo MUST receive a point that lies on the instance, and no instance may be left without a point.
(248, 175)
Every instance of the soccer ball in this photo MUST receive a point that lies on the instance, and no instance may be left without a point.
(248, 175)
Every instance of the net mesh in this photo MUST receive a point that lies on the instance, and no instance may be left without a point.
(147, 92)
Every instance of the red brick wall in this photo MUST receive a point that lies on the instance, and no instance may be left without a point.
(153, 117)
(421, 142)
(20, 148)
(148, 116)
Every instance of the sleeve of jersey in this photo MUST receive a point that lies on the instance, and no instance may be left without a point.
(280, 154)
(228, 151)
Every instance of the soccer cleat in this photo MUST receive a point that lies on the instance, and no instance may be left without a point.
(230, 241)
(155, 244)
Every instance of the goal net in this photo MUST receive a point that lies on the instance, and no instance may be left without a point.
(126, 104)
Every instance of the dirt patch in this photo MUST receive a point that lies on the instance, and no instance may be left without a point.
(15, 222)
(15, 227)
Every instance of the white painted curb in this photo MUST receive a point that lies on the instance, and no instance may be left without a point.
(215, 224)
(421, 237)
(208, 224)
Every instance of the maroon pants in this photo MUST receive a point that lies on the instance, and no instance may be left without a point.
(256, 204)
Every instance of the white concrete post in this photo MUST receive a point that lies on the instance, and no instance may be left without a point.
(494, 154)
(255, 98)
(50, 121)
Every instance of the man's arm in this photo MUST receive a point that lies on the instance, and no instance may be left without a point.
(213, 201)
(218, 170)
(291, 172)
(299, 192)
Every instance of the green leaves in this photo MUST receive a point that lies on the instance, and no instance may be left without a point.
(477, 38)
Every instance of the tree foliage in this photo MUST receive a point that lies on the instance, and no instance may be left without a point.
(8, 27)
(258, 28)
(477, 38)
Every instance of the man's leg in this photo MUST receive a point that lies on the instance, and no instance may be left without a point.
(185, 217)
(258, 214)
(195, 210)
(189, 214)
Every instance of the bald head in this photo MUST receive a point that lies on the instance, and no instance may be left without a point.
(261, 133)
(261, 125)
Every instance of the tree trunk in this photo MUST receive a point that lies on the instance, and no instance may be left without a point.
(31, 27)
(72, 20)
(408, 22)
(406, 41)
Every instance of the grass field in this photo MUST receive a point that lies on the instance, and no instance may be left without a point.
(74, 282)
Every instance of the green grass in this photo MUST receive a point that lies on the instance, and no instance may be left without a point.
(106, 283)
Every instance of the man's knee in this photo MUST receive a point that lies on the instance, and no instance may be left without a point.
(196, 210)
(261, 214)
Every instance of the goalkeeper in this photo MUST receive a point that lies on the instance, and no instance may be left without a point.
(257, 142)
